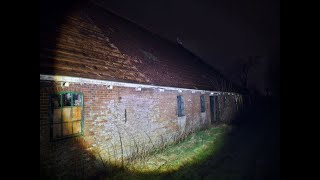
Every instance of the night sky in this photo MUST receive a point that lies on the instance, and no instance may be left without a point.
(223, 33)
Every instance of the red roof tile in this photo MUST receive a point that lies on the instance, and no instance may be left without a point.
(94, 43)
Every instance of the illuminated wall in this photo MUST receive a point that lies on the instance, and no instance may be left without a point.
(120, 123)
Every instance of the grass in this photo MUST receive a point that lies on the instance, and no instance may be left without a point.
(176, 158)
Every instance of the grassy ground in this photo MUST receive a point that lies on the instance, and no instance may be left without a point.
(247, 151)
(193, 151)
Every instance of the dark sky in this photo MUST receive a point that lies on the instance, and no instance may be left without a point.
(223, 33)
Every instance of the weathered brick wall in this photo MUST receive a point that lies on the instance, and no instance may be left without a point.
(120, 122)
(229, 107)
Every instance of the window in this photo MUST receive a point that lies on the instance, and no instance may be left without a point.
(217, 110)
(202, 103)
(66, 115)
(214, 108)
(180, 106)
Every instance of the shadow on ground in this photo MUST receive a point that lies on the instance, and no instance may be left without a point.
(251, 150)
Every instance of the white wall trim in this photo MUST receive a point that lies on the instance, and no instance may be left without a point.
(80, 80)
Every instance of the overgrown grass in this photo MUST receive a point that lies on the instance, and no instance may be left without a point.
(194, 150)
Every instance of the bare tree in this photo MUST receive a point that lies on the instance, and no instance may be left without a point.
(247, 65)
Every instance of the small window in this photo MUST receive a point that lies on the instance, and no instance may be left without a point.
(180, 106)
(202, 103)
(66, 115)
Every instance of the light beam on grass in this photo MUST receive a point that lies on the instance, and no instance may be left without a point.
(193, 150)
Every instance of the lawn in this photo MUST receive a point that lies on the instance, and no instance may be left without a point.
(176, 159)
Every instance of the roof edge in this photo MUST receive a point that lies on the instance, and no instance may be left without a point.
(58, 78)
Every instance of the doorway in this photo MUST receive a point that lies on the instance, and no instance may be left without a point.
(214, 109)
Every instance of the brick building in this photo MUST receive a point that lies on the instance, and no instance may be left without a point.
(110, 90)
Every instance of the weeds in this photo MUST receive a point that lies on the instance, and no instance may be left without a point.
(168, 158)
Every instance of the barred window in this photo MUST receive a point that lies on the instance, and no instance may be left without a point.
(66, 115)
(202, 103)
(180, 106)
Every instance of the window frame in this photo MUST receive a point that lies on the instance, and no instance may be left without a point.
(61, 106)
(180, 109)
(202, 103)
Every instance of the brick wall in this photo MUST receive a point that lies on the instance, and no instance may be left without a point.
(120, 122)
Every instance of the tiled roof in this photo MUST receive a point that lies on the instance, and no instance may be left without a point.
(93, 43)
